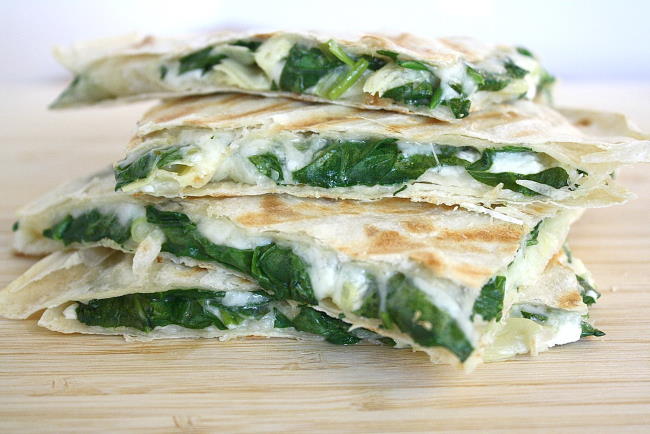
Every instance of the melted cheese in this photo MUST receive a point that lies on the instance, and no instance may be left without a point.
(217, 156)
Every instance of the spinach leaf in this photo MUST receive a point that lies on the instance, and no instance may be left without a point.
(374, 63)
(333, 330)
(269, 165)
(413, 166)
(589, 293)
(488, 81)
(459, 107)
(91, 226)
(489, 303)
(163, 71)
(347, 163)
(545, 83)
(393, 55)
(279, 270)
(589, 330)
(413, 64)
(415, 94)
(513, 70)
(494, 82)
(370, 162)
(281, 320)
(15, 226)
(141, 167)
(248, 43)
(534, 316)
(305, 67)
(555, 177)
(190, 308)
(370, 307)
(413, 313)
(532, 236)
(202, 59)
(183, 239)
(525, 52)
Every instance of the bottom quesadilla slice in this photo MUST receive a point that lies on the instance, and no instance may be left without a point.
(430, 276)
(97, 291)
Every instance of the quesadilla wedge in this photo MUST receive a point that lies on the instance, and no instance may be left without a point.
(99, 291)
(516, 155)
(430, 276)
(445, 78)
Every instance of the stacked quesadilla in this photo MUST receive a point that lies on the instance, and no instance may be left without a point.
(327, 189)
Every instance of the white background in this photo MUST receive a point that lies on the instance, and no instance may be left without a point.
(579, 40)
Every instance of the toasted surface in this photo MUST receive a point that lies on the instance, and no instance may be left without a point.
(581, 138)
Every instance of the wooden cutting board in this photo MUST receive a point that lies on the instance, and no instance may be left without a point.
(66, 383)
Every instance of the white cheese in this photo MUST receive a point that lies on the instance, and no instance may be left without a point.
(242, 298)
(391, 76)
(223, 232)
(517, 162)
(70, 312)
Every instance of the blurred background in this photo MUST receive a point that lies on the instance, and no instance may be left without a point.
(593, 40)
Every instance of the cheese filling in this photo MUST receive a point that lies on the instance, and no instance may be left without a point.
(197, 158)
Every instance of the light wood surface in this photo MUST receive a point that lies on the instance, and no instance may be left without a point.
(67, 383)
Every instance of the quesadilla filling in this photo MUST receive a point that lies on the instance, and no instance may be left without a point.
(298, 65)
(429, 310)
(222, 310)
(388, 166)
(534, 327)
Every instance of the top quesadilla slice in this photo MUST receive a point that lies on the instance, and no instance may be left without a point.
(430, 276)
(521, 157)
(445, 78)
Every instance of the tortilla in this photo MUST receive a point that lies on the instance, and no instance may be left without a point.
(376, 262)
(229, 144)
(444, 78)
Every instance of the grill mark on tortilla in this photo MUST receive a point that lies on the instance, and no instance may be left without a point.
(570, 300)
(418, 226)
(174, 109)
(273, 210)
(388, 241)
(228, 117)
(505, 233)
(318, 121)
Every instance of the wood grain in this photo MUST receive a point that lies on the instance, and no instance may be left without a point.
(56, 383)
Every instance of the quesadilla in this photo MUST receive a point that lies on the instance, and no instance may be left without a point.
(516, 155)
(445, 78)
(430, 276)
(98, 291)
